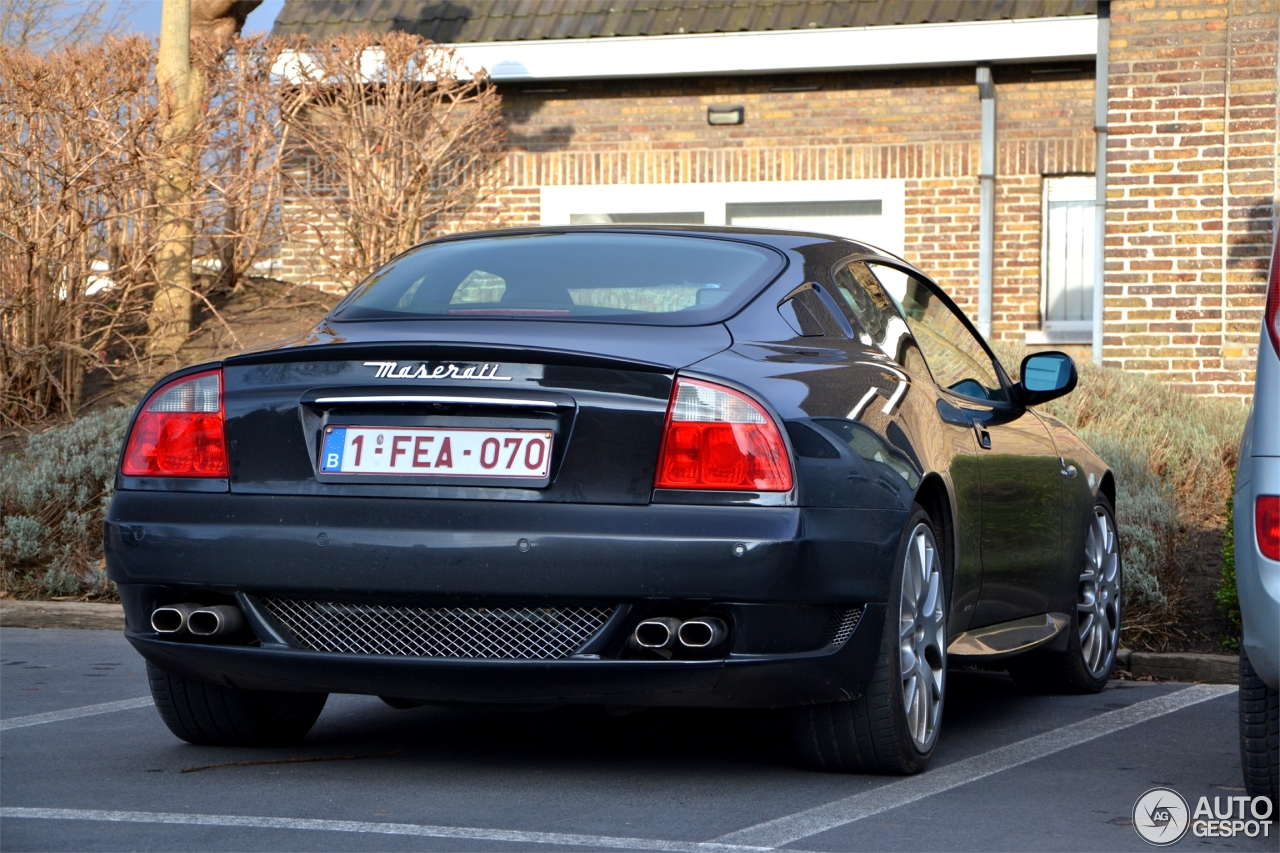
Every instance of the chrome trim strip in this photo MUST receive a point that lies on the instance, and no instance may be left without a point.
(438, 398)
(1008, 638)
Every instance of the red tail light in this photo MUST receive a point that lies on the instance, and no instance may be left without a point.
(1267, 523)
(179, 433)
(719, 439)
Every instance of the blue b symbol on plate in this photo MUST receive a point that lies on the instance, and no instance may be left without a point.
(334, 441)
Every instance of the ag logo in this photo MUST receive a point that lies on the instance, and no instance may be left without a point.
(1161, 817)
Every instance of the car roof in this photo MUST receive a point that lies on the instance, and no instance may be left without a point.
(776, 239)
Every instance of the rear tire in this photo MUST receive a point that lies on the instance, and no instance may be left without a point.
(1094, 629)
(1259, 734)
(211, 715)
(893, 727)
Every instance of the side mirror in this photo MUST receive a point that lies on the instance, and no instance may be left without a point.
(1046, 376)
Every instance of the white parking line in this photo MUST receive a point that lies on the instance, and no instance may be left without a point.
(420, 830)
(72, 713)
(761, 837)
(785, 830)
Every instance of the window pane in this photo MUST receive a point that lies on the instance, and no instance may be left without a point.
(610, 277)
(688, 217)
(955, 358)
(858, 220)
(1068, 247)
(867, 305)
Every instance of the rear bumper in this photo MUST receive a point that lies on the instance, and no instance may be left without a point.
(742, 681)
(775, 574)
(516, 550)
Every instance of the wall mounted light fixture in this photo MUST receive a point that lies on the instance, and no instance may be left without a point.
(726, 115)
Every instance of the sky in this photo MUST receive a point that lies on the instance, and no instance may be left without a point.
(144, 16)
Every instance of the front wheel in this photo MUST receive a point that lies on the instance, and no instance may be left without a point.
(1086, 664)
(892, 728)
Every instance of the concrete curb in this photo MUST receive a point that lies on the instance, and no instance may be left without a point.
(1172, 666)
(1181, 666)
(61, 614)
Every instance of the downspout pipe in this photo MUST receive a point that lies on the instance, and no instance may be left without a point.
(987, 203)
(1100, 168)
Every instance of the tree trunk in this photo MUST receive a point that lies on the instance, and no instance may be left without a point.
(180, 91)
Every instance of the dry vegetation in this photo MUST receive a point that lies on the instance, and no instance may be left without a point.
(383, 164)
(87, 196)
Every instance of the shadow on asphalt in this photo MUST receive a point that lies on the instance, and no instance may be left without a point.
(588, 735)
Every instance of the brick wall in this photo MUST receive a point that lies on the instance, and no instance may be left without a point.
(1192, 160)
(921, 126)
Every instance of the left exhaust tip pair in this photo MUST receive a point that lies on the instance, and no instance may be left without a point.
(198, 620)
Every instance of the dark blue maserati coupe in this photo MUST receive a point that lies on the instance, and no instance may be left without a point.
(631, 466)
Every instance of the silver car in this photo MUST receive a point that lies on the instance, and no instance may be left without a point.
(1257, 534)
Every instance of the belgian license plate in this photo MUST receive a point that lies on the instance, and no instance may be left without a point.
(438, 452)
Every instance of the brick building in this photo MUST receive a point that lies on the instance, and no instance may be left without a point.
(865, 118)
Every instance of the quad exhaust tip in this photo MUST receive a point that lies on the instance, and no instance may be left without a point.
(702, 633)
(657, 633)
(212, 621)
(172, 618)
(664, 632)
(216, 621)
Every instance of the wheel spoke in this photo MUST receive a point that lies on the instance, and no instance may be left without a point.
(1099, 646)
(922, 561)
(1086, 622)
(925, 712)
(930, 606)
(1110, 568)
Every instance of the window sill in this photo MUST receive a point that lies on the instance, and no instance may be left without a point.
(1041, 337)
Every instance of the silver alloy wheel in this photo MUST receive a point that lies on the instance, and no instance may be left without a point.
(1098, 603)
(922, 637)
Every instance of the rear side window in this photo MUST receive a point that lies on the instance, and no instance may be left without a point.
(956, 359)
(598, 276)
(865, 302)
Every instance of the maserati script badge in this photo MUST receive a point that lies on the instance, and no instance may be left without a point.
(393, 370)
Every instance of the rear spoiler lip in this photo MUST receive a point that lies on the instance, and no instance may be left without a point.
(458, 350)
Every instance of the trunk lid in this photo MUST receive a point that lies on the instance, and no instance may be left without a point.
(598, 392)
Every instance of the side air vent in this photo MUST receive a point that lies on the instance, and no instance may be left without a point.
(843, 621)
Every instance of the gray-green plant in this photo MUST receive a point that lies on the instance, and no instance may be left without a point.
(53, 499)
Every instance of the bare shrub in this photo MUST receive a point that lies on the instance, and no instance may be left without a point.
(394, 138)
(44, 24)
(386, 159)
(73, 233)
(79, 236)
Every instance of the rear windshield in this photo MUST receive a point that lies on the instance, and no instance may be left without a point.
(612, 277)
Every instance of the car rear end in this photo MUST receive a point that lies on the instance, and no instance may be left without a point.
(500, 501)
(1257, 559)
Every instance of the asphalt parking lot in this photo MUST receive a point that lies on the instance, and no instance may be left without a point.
(86, 764)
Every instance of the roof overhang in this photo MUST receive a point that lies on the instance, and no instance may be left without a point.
(791, 51)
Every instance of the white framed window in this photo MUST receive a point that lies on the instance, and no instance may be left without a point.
(1066, 261)
(868, 211)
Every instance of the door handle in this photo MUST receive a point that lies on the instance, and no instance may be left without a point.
(984, 437)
